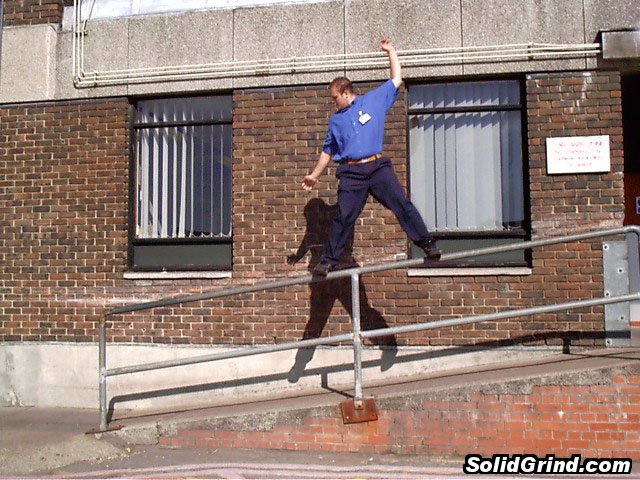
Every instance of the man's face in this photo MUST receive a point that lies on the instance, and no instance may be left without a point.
(341, 100)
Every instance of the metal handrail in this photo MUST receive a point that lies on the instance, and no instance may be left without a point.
(379, 267)
(356, 336)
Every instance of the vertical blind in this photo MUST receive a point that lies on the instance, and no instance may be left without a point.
(465, 147)
(183, 174)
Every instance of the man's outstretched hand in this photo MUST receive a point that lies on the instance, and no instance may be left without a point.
(309, 182)
(386, 45)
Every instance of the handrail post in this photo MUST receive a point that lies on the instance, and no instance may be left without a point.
(633, 273)
(102, 367)
(357, 339)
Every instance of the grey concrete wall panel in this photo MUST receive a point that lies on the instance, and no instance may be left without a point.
(602, 15)
(106, 48)
(410, 24)
(37, 60)
(502, 22)
(285, 32)
(192, 38)
(610, 15)
(28, 64)
(66, 374)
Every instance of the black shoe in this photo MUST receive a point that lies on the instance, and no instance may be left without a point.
(323, 268)
(431, 251)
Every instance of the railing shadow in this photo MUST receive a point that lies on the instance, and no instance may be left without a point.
(549, 338)
(323, 295)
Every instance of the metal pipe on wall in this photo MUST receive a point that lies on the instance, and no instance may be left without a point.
(320, 63)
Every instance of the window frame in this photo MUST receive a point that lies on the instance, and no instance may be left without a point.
(217, 247)
(476, 238)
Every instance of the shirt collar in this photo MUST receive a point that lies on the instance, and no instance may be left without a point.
(355, 99)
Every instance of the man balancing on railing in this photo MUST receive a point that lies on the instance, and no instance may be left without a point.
(354, 140)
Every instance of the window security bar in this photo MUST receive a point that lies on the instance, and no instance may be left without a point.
(356, 336)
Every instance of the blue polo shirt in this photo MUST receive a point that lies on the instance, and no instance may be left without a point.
(357, 131)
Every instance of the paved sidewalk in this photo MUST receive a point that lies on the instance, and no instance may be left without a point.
(154, 462)
(52, 442)
(39, 439)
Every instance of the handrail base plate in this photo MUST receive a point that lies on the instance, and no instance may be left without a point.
(110, 428)
(366, 412)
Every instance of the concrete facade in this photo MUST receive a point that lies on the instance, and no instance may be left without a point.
(54, 374)
(28, 64)
(65, 179)
(298, 30)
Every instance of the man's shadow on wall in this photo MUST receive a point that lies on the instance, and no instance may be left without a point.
(319, 217)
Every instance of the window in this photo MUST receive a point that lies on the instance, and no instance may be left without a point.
(181, 184)
(466, 165)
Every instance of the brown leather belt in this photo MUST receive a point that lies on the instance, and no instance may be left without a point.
(365, 160)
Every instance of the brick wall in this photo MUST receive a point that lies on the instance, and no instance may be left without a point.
(562, 105)
(596, 420)
(574, 104)
(33, 12)
(64, 218)
(63, 210)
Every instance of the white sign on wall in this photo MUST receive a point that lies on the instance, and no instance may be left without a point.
(578, 154)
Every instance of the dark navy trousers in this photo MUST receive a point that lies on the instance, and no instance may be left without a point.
(356, 182)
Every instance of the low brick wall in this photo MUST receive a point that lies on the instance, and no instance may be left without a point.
(595, 416)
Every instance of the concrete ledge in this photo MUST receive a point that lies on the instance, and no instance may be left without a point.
(459, 272)
(175, 275)
(66, 375)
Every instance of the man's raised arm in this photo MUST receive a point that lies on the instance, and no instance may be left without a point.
(394, 63)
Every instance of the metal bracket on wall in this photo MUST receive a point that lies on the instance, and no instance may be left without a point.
(615, 265)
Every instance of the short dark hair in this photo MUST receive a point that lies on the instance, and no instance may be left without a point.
(342, 84)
